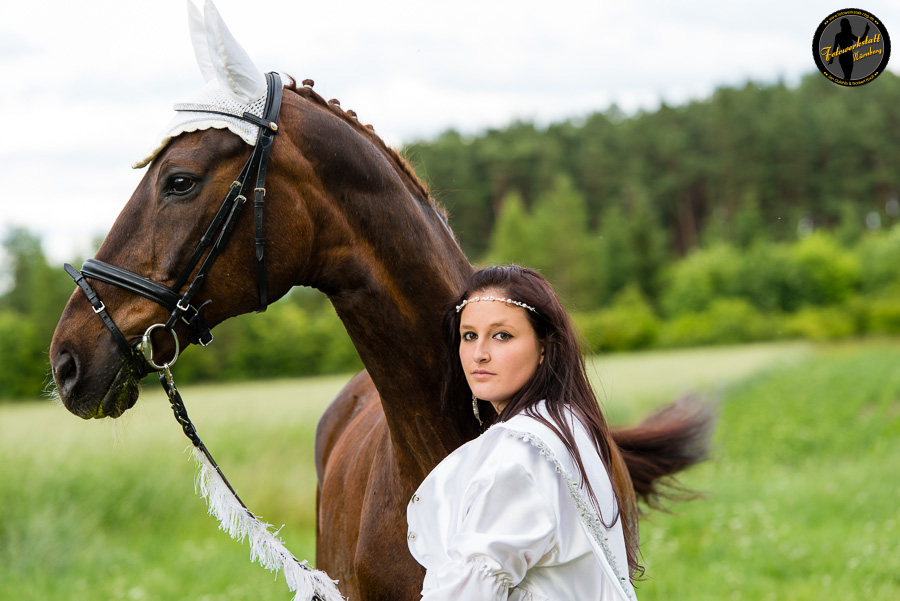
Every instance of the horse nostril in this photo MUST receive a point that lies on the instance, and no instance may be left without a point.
(65, 372)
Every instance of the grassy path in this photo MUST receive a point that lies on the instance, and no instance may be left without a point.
(801, 498)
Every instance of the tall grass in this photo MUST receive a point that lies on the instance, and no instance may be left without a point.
(802, 494)
(801, 502)
(106, 510)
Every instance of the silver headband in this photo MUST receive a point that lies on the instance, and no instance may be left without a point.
(508, 301)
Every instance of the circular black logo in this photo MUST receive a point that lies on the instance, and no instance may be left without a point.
(851, 47)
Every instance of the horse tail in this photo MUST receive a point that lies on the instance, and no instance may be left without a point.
(663, 444)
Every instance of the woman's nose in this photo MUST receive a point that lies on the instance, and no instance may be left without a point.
(481, 353)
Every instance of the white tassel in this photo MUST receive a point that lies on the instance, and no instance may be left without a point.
(265, 547)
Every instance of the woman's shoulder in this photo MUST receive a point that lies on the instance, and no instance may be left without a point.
(525, 439)
(541, 430)
(536, 424)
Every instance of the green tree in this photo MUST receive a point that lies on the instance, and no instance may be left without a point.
(29, 310)
(564, 249)
(749, 226)
(616, 252)
(513, 239)
(648, 240)
(23, 358)
(35, 289)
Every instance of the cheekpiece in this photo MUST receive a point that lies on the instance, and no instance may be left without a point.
(508, 301)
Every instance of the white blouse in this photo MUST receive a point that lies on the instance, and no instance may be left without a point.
(504, 518)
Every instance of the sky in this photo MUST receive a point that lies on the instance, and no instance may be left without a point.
(88, 85)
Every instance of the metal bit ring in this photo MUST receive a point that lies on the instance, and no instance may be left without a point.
(147, 347)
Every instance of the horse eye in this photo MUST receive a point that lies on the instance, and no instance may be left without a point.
(181, 185)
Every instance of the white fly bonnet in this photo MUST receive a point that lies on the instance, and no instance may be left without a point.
(233, 84)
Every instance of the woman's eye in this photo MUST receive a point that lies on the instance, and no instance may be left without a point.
(503, 336)
(469, 336)
(181, 185)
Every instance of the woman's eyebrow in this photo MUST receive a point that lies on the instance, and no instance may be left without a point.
(499, 324)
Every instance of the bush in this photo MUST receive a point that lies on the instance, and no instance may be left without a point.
(771, 277)
(337, 353)
(882, 316)
(826, 274)
(696, 281)
(629, 324)
(727, 321)
(23, 357)
(821, 323)
(285, 341)
(767, 278)
(879, 255)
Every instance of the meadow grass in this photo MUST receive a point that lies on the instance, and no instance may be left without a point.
(802, 492)
(801, 495)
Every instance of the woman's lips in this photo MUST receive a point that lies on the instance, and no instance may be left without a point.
(481, 374)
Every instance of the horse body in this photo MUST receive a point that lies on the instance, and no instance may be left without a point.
(345, 215)
(350, 219)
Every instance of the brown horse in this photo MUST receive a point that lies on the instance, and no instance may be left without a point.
(346, 215)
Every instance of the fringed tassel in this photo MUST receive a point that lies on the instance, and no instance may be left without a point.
(265, 547)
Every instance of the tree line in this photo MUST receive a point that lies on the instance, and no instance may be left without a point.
(762, 212)
(748, 161)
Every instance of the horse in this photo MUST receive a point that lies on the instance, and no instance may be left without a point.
(347, 215)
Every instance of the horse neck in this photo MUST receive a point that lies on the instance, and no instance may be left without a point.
(392, 311)
(389, 263)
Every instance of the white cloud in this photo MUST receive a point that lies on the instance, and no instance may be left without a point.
(86, 89)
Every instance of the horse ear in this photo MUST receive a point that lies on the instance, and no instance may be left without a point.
(198, 40)
(233, 66)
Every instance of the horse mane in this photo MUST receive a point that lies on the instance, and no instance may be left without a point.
(334, 106)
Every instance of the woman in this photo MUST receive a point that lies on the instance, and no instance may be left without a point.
(533, 508)
(845, 40)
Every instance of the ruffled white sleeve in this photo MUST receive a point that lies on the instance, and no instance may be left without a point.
(505, 525)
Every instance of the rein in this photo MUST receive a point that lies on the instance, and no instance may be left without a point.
(234, 516)
(236, 519)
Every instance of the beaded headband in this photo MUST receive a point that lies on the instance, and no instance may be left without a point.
(508, 301)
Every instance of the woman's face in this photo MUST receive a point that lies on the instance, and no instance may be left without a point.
(498, 349)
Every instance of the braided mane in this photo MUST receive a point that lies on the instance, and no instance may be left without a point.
(368, 131)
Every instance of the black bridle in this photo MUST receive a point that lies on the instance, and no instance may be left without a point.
(214, 239)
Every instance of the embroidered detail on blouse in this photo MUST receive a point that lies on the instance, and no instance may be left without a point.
(586, 512)
(480, 566)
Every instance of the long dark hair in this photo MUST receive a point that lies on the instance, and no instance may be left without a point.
(561, 380)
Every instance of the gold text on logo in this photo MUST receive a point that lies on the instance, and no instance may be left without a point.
(826, 51)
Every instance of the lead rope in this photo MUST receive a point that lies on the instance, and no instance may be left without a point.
(234, 518)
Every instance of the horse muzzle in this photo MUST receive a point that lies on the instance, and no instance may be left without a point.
(95, 383)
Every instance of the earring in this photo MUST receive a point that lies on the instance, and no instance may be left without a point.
(475, 410)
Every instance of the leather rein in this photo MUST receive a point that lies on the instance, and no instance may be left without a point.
(214, 239)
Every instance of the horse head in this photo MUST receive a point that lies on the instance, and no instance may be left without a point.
(334, 199)
(95, 371)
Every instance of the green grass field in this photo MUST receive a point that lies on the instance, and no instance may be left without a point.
(801, 496)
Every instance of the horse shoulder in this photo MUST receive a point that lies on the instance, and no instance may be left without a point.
(357, 394)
